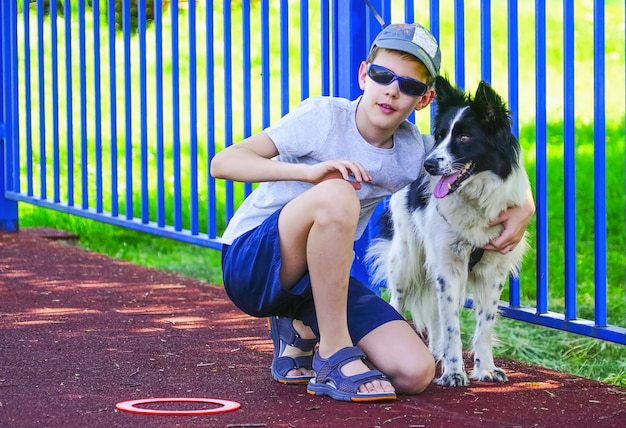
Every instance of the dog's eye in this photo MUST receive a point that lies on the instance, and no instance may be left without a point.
(464, 138)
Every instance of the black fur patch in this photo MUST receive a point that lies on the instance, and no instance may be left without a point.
(419, 194)
(385, 224)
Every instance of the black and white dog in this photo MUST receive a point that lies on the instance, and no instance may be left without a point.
(430, 248)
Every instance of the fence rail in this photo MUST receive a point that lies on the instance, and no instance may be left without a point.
(114, 115)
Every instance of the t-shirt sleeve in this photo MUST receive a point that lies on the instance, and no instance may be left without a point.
(304, 130)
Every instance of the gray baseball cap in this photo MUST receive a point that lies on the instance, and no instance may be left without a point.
(413, 39)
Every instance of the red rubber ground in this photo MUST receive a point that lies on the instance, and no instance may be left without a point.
(80, 332)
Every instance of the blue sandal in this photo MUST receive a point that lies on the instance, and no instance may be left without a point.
(283, 334)
(332, 382)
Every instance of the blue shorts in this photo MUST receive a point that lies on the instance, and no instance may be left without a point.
(251, 273)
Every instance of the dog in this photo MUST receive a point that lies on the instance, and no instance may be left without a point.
(429, 251)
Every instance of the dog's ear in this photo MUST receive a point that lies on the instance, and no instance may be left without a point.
(446, 94)
(495, 116)
(490, 105)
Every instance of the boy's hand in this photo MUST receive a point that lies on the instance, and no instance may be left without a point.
(350, 171)
(515, 220)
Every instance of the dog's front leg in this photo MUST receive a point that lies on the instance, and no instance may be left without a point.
(450, 293)
(486, 297)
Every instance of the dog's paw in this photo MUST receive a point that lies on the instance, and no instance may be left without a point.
(494, 375)
(453, 379)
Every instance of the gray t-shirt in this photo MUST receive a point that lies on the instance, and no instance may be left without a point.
(321, 129)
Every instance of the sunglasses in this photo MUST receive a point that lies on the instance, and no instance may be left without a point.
(407, 85)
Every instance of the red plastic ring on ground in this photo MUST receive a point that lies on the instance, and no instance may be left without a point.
(226, 406)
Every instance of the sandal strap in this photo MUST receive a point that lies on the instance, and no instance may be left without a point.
(351, 384)
(325, 367)
(344, 356)
(283, 365)
(290, 336)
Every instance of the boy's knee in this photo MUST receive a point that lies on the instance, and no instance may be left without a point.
(338, 198)
(415, 378)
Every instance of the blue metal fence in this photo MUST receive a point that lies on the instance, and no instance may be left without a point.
(115, 117)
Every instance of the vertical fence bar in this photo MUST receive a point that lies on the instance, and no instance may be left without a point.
(28, 100)
(13, 124)
(284, 57)
(113, 107)
(409, 11)
(265, 62)
(325, 43)
(513, 89)
(69, 120)
(485, 40)
(128, 133)
(246, 69)
(304, 49)
(41, 67)
(334, 46)
(95, 5)
(459, 42)
(541, 144)
(5, 66)
(160, 156)
(435, 22)
(8, 122)
(569, 160)
(193, 118)
(350, 28)
(247, 84)
(210, 118)
(513, 64)
(84, 144)
(228, 100)
(55, 103)
(143, 115)
(599, 132)
(435, 29)
(409, 16)
(178, 221)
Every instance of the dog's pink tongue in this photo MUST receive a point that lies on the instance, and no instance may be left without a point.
(442, 187)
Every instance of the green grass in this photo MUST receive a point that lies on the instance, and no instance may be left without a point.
(521, 341)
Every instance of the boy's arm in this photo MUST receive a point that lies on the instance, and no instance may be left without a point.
(515, 221)
(251, 161)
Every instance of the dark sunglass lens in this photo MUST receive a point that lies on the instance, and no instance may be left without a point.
(413, 87)
(380, 74)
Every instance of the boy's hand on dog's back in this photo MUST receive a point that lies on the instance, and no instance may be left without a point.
(515, 221)
(350, 171)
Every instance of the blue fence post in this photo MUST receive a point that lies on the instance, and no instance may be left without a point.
(355, 29)
(8, 208)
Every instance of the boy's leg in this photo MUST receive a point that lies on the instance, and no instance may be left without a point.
(396, 350)
(317, 235)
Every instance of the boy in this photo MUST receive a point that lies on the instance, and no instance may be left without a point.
(288, 250)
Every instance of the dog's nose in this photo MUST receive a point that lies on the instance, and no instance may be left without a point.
(431, 164)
